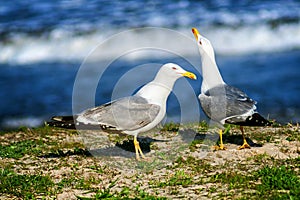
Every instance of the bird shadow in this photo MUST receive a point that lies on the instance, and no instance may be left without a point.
(238, 140)
(60, 153)
(190, 135)
(126, 148)
(121, 149)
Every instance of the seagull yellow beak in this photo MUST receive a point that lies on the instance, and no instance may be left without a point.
(189, 75)
(196, 33)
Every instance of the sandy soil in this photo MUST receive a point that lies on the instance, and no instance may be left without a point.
(107, 162)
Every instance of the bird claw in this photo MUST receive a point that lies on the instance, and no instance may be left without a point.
(143, 158)
(245, 146)
(220, 147)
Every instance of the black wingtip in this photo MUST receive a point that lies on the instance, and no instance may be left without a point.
(63, 118)
(60, 125)
(62, 122)
(253, 120)
(257, 120)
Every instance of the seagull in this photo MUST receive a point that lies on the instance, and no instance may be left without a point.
(133, 114)
(223, 103)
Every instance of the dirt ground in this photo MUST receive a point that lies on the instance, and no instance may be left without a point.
(180, 164)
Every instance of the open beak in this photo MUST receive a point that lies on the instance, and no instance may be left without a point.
(189, 75)
(196, 33)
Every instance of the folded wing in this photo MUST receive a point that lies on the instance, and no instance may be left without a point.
(125, 114)
(224, 102)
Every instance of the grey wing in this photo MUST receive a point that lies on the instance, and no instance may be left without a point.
(129, 113)
(224, 102)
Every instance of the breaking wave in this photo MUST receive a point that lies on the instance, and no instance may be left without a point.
(63, 46)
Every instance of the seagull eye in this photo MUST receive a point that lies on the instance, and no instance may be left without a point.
(200, 42)
(174, 68)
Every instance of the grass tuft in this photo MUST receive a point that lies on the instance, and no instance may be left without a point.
(19, 149)
(203, 126)
(171, 127)
(24, 186)
(278, 179)
(179, 178)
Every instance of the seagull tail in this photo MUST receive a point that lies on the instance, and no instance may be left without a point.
(62, 122)
(257, 120)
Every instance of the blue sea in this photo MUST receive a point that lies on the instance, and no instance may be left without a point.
(61, 57)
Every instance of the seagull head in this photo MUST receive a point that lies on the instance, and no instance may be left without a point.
(175, 71)
(158, 90)
(203, 43)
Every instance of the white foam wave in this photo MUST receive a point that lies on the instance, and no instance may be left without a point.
(22, 121)
(258, 39)
(63, 46)
(58, 46)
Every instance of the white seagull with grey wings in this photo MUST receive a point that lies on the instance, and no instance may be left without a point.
(221, 102)
(134, 114)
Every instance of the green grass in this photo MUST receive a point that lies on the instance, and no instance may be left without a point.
(33, 186)
(125, 193)
(293, 135)
(279, 182)
(77, 183)
(47, 130)
(171, 127)
(195, 144)
(19, 149)
(57, 153)
(258, 177)
(193, 164)
(231, 179)
(41, 143)
(203, 126)
(24, 186)
(291, 131)
(179, 178)
(261, 159)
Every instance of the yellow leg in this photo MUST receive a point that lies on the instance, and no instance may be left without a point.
(138, 149)
(221, 146)
(245, 144)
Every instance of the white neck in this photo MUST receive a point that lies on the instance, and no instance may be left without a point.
(210, 72)
(157, 91)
